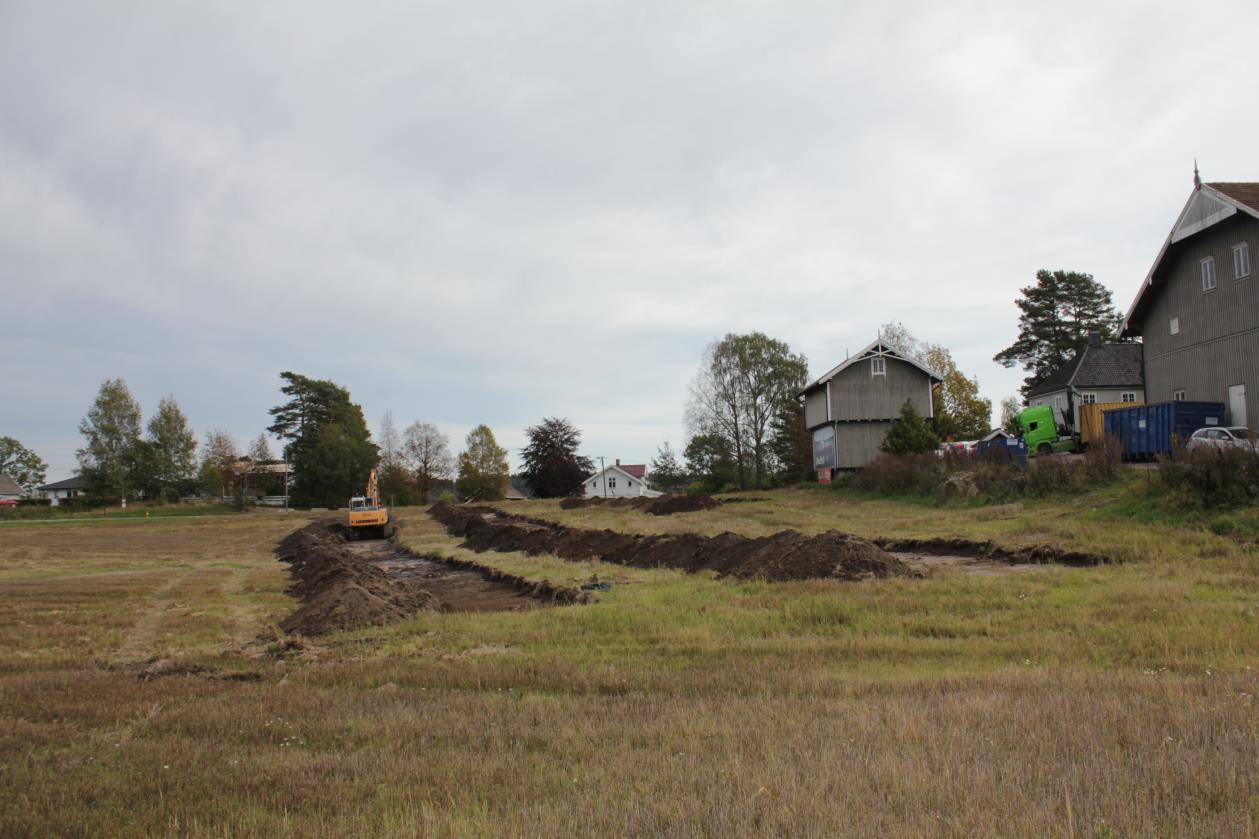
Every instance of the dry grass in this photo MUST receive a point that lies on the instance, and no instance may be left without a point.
(1115, 701)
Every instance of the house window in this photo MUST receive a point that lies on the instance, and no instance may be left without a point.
(611, 483)
(1241, 260)
(1178, 395)
(631, 483)
(1127, 397)
(1174, 326)
(1208, 273)
(1088, 398)
(878, 366)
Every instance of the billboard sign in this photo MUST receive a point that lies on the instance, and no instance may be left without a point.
(824, 448)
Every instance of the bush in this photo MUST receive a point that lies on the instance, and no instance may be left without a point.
(34, 502)
(909, 434)
(919, 474)
(1211, 477)
(447, 497)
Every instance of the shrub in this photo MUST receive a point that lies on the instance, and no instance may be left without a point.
(909, 434)
(1104, 458)
(921, 474)
(1211, 477)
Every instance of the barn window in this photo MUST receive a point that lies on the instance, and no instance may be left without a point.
(1208, 273)
(1173, 326)
(1241, 260)
(1178, 396)
(878, 366)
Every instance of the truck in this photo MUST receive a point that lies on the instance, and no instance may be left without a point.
(367, 518)
(1041, 433)
(1144, 431)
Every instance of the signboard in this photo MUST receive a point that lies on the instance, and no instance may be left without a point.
(823, 476)
(824, 448)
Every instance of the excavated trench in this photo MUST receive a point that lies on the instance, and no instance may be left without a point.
(346, 585)
(787, 555)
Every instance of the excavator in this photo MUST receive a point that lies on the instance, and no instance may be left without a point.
(368, 519)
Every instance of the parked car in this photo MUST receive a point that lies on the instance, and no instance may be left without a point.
(1233, 437)
(7, 502)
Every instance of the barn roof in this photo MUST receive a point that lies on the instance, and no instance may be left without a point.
(877, 348)
(1208, 204)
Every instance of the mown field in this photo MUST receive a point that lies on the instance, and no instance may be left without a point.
(1110, 701)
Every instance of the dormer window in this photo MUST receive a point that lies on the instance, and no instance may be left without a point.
(1208, 273)
(1241, 260)
(878, 366)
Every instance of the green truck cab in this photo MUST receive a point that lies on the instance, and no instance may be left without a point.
(1039, 430)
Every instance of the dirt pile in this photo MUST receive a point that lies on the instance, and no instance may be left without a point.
(1032, 555)
(787, 555)
(664, 505)
(338, 589)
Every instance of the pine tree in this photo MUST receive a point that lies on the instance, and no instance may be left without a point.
(909, 434)
(1058, 313)
(665, 473)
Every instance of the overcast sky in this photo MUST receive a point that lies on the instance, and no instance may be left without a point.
(491, 213)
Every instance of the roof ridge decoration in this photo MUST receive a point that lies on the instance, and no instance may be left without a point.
(876, 348)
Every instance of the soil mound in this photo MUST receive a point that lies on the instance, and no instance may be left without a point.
(1032, 555)
(787, 555)
(664, 505)
(338, 589)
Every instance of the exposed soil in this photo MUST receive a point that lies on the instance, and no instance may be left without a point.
(967, 549)
(664, 505)
(461, 586)
(339, 589)
(344, 585)
(787, 555)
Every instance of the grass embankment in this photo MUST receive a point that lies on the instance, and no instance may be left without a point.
(1117, 700)
(62, 514)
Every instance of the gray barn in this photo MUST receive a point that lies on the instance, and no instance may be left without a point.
(849, 410)
(1197, 311)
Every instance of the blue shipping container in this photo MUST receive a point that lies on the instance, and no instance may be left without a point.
(1147, 430)
(1001, 450)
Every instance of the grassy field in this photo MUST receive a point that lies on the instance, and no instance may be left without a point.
(1110, 701)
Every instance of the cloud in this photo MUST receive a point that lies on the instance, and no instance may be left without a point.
(499, 213)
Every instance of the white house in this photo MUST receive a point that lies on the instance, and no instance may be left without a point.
(620, 481)
(61, 490)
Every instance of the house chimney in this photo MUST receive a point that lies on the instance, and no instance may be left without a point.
(1095, 339)
(618, 461)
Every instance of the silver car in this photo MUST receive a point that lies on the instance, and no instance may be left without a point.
(1233, 437)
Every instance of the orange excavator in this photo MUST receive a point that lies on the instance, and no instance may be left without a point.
(368, 519)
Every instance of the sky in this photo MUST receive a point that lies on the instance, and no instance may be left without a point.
(499, 212)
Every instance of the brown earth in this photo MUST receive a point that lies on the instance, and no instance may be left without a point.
(968, 548)
(339, 589)
(787, 555)
(345, 585)
(664, 505)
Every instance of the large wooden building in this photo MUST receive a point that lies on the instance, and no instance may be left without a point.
(1197, 311)
(850, 409)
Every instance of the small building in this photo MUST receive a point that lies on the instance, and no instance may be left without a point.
(1099, 373)
(62, 490)
(619, 480)
(850, 409)
(1197, 311)
(10, 490)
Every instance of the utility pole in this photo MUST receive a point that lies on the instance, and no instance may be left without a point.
(603, 473)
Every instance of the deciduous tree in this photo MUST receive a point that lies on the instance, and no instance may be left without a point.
(22, 465)
(710, 460)
(552, 466)
(959, 412)
(1056, 316)
(218, 459)
(111, 433)
(1010, 410)
(743, 382)
(483, 471)
(428, 457)
(172, 449)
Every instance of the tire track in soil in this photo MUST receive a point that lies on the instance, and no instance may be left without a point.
(138, 645)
